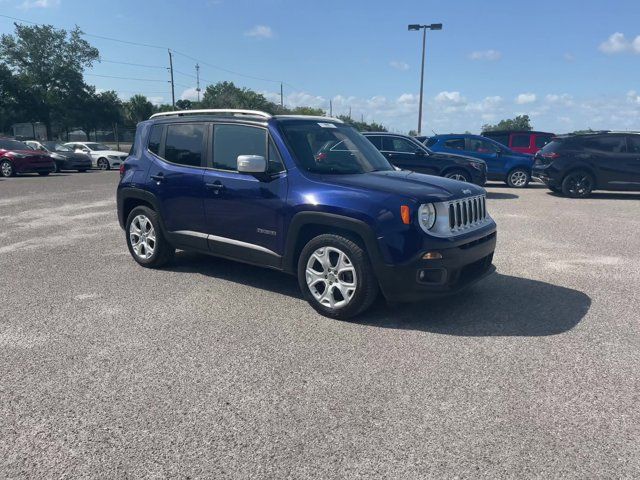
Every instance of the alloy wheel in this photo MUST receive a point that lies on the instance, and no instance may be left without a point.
(580, 184)
(103, 164)
(142, 236)
(6, 169)
(518, 178)
(331, 277)
(457, 176)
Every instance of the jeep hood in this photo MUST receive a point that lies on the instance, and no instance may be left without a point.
(421, 187)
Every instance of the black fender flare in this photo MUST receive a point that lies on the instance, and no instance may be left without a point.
(126, 193)
(323, 219)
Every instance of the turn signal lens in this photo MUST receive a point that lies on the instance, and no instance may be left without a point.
(404, 214)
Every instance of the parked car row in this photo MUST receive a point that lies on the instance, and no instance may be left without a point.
(45, 157)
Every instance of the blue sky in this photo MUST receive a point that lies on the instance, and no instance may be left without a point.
(569, 64)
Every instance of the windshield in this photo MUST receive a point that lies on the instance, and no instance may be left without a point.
(97, 146)
(320, 147)
(14, 145)
(57, 147)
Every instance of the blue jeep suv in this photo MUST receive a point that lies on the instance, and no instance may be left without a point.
(503, 164)
(261, 189)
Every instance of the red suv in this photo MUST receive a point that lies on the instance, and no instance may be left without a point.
(521, 141)
(18, 157)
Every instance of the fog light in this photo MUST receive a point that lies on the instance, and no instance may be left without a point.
(432, 256)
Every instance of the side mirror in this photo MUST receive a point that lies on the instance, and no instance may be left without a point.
(252, 164)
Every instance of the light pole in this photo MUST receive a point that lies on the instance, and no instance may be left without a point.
(424, 28)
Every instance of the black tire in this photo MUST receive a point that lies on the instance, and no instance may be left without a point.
(103, 164)
(43, 174)
(459, 175)
(578, 184)
(163, 251)
(7, 169)
(366, 284)
(518, 178)
(555, 189)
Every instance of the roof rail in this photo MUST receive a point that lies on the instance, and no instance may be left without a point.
(232, 111)
(311, 117)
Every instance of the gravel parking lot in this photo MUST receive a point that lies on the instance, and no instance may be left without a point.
(215, 369)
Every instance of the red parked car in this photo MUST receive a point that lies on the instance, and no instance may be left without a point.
(521, 141)
(18, 157)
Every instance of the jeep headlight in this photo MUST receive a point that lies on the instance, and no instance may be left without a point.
(427, 216)
(113, 157)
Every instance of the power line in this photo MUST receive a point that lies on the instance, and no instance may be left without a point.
(133, 64)
(126, 78)
(148, 45)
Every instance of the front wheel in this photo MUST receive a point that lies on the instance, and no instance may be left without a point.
(518, 178)
(6, 169)
(459, 175)
(103, 164)
(578, 184)
(145, 240)
(336, 276)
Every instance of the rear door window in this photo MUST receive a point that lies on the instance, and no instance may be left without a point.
(480, 146)
(376, 140)
(607, 144)
(185, 144)
(456, 143)
(398, 144)
(521, 141)
(633, 143)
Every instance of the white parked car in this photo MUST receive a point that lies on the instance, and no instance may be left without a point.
(101, 155)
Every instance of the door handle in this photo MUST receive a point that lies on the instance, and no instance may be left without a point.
(216, 186)
(158, 178)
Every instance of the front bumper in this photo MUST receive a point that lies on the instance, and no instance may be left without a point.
(459, 268)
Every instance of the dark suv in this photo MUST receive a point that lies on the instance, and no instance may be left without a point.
(254, 188)
(575, 165)
(408, 153)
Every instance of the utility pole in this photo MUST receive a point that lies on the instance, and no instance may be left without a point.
(330, 108)
(198, 81)
(424, 28)
(173, 90)
(349, 111)
(281, 95)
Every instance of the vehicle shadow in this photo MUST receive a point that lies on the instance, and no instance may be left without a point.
(501, 305)
(603, 196)
(501, 196)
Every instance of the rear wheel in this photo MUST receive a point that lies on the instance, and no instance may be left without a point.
(336, 277)
(103, 164)
(145, 240)
(6, 169)
(459, 175)
(578, 184)
(518, 178)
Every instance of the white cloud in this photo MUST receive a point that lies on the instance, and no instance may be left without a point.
(398, 65)
(29, 4)
(488, 55)
(569, 57)
(562, 99)
(260, 31)
(633, 97)
(156, 100)
(189, 94)
(525, 98)
(450, 98)
(618, 43)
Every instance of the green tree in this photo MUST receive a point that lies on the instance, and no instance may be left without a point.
(521, 122)
(227, 95)
(317, 112)
(362, 126)
(48, 64)
(138, 108)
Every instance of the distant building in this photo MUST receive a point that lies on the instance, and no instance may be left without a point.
(28, 131)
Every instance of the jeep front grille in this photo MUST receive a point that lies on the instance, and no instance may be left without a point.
(467, 213)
